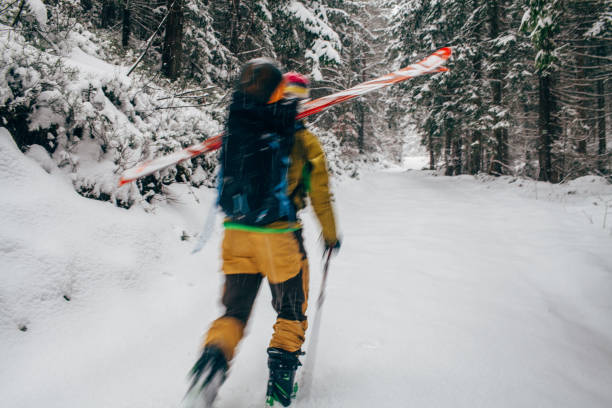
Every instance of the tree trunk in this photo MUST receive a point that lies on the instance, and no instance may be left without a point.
(602, 162)
(545, 128)
(361, 109)
(125, 34)
(601, 127)
(234, 26)
(457, 153)
(432, 158)
(476, 152)
(107, 14)
(361, 130)
(497, 166)
(448, 151)
(581, 146)
(173, 41)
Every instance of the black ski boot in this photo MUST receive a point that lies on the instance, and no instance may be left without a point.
(283, 365)
(207, 375)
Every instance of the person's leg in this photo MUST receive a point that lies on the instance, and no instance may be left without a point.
(242, 281)
(289, 286)
(239, 294)
(289, 299)
(288, 277)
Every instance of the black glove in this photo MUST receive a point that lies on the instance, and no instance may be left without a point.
(332, 247)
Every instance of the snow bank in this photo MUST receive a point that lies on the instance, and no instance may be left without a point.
(590, 197)
(57, 247)
(72, 272)
(447, 292)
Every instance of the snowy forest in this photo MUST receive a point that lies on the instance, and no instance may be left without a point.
(473, 205)
(528, 92)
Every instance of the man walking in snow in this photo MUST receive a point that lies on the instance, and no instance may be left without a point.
(269, 165)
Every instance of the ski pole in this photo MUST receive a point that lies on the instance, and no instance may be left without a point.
(321, 298)
(314, 335)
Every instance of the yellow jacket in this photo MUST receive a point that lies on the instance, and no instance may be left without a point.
(308, 177)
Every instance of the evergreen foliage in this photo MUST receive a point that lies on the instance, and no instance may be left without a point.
(528, 92)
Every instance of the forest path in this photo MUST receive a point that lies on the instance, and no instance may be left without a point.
(447, 292)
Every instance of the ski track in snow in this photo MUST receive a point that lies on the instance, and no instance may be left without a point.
(447, 292)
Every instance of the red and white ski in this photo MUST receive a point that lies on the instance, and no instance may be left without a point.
(431, 64)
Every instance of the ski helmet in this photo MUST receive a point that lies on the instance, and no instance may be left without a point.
(259, 78)
(296, 86)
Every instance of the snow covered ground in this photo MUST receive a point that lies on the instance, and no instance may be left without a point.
(448, 292)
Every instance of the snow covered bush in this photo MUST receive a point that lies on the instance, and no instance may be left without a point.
(95, 122)
(30, 14)
(64, 92)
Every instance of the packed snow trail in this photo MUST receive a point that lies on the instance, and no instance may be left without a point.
(447, 292)
(465, 297)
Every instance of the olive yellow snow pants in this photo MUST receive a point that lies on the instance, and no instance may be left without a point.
(248, 257)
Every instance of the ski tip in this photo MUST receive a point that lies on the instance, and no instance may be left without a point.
(444, 52)
(123, 181)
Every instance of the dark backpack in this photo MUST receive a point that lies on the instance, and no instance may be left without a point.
(255, 162)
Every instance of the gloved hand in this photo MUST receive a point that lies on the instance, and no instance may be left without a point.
(332, 247)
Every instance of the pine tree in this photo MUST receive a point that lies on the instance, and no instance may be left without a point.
(172, 52)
